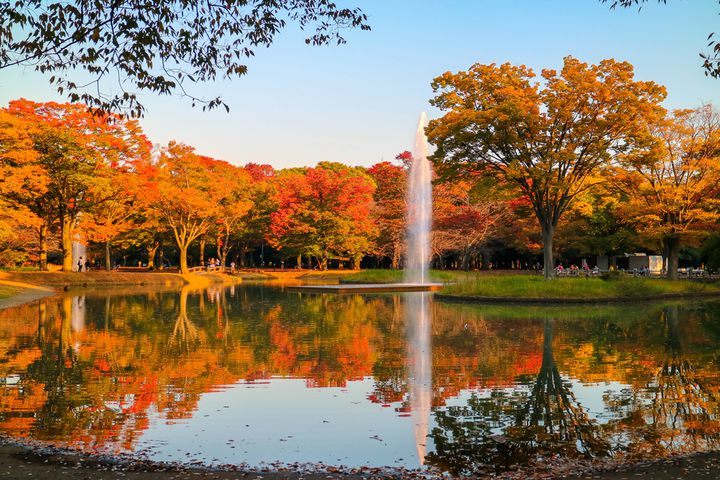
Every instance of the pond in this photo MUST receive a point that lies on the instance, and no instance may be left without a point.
(254, 375)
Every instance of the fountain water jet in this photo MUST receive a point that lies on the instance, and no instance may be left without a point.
(419, 214)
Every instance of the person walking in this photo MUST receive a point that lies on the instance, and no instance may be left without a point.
(80, 264)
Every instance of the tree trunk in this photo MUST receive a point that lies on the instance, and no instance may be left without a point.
(42, 240)
(356, 263)
(108, 263)
(151, 249)
(672, 246)
(202, 251)
(223, 250)
(67, 241)
(183, 260)
(299, 261)
(548, 262)
(161, 259)
(396, 255)
(324, 261)
(486, 259)
(465, 263)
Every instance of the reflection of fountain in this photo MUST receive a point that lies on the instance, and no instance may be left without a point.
(78, 314)
(417, 314)
(419, 213)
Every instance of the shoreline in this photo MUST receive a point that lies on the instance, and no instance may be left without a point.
(20, 459)
(550, 301)
(32, 286)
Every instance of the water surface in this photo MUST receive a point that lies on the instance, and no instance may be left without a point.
(253, 375)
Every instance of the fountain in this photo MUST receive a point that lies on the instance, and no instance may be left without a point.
(78, 252)
(419, 224)
(419, 201)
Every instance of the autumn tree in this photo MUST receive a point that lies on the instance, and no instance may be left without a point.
(235, 204)
(126, 182)
(464, 218)
(672, 184)
(185, 191)
(79, 155)
(389, 209)
(160, 47)
(548, 138)
(324, 212)
(250, 231)
(24, 182)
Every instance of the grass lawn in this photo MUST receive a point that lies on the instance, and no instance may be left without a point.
(506, 285)
(7, 291)
(397, 276)
(576, 288)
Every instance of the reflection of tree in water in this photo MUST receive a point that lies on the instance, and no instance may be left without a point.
(494, 433)
(59, 369)
(677, 410)
(185, 335)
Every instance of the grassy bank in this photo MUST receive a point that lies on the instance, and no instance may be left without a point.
(7, 292)
(398, 276)
(59, 280)
(535, 287)
(507, 285)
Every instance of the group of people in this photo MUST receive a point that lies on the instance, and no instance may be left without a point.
(212, 263)
(574, 270)
(215, 264)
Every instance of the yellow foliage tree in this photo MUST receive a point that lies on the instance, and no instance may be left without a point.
(673, 182)
(547, 138)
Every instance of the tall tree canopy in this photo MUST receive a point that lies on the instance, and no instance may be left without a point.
(76, 156)
(672, 184)
(192, 193)
(159, 47)
(548, 138)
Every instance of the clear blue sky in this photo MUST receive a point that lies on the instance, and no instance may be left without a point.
(359, 103)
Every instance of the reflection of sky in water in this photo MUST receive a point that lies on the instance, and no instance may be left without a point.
(283, 419)
(91, 369)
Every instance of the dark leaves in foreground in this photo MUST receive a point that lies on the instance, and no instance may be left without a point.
(160, 47)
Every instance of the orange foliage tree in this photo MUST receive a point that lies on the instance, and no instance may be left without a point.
(195, 192)
(389, 209)
(78, 154)
(324, 212)
(546, 138)
(24, 195)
